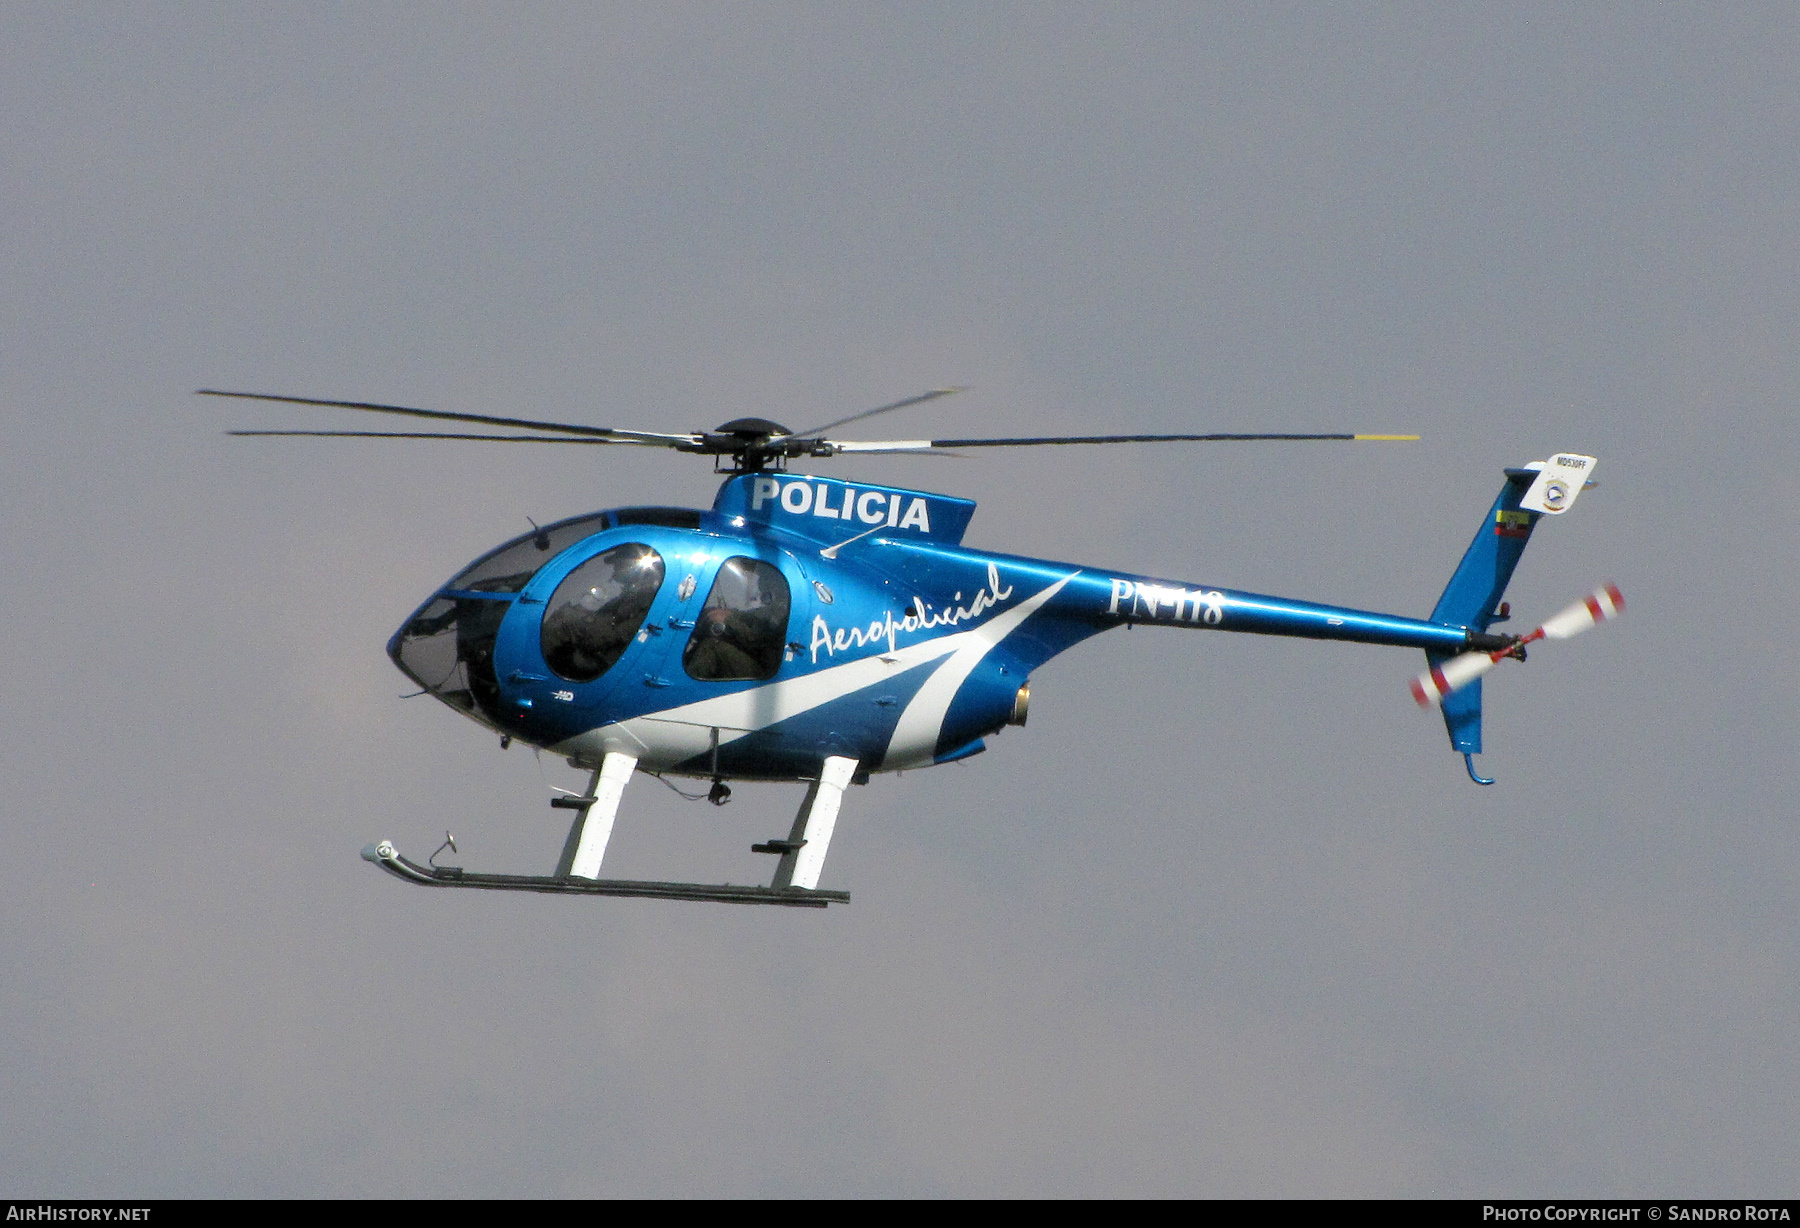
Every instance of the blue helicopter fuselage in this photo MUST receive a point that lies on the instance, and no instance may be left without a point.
(799, 618)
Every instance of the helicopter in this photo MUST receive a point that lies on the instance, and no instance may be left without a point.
(820, 630)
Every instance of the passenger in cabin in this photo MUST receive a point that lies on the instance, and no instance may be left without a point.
(742, 630)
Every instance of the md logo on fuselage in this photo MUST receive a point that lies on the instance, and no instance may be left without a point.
(831, 501)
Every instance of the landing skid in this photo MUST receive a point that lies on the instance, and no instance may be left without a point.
(578, 869)
(390, 859)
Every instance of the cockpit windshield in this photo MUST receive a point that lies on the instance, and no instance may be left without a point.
(449, 647)
(510, 568)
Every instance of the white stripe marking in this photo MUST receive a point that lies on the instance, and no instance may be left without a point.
(915, 736)
(673, 735)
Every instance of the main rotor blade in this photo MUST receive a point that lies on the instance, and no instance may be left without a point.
(920, 445)
(442, 435)
(599, 432)
(1216, 438)
(923, 397)
(893, 447)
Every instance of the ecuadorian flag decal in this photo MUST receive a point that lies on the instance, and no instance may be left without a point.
(1512, 524)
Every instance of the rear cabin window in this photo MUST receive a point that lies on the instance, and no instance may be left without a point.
(742, 629)
(590, 620)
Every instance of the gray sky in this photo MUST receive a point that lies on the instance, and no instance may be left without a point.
(1227, 918)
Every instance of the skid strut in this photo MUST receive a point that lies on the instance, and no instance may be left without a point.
(594, 814)
(803, 852)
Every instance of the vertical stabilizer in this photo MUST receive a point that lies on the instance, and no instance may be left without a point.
(1472, 598)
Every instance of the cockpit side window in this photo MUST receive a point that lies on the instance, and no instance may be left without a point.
(591, 618)
(510, 568)
(742, 629)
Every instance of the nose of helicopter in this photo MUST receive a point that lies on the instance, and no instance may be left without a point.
(447, 648)
(407, 649)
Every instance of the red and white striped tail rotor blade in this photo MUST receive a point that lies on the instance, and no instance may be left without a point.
(1430, 687)
(1603, 603)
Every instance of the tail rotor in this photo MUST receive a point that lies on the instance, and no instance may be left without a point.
(1432, 687)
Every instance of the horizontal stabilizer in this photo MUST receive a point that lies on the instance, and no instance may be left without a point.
(1558, 483)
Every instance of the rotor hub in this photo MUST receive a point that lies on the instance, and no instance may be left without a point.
(752, 443)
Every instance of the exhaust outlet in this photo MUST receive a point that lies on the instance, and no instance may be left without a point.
(1021, 706)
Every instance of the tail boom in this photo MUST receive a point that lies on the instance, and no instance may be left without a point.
(1131, 600)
